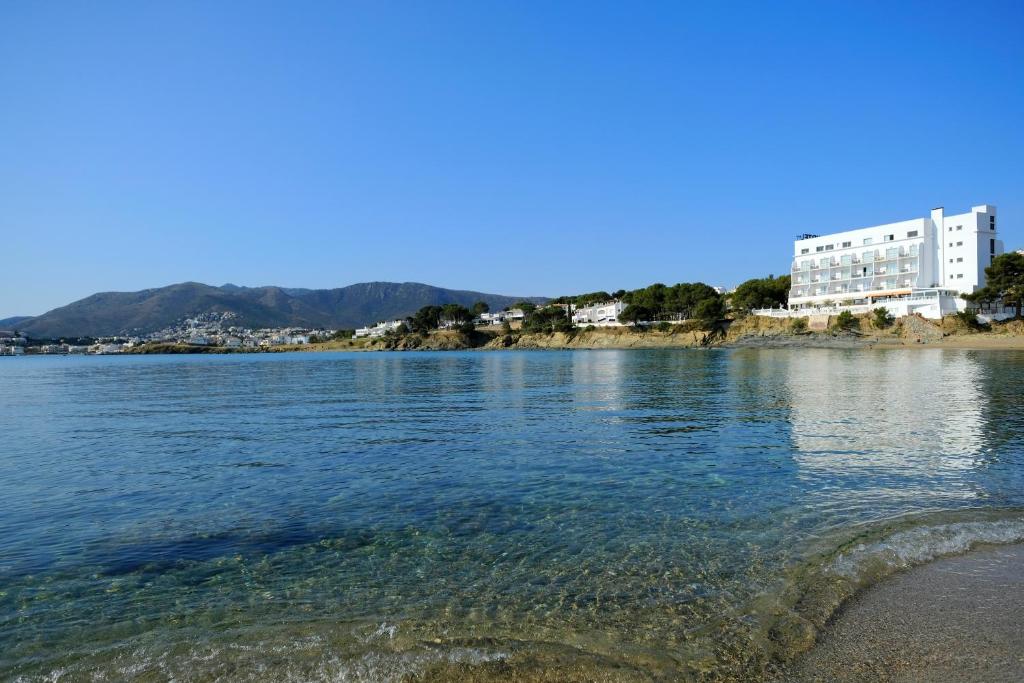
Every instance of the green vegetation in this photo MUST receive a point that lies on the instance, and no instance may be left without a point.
(882, 318)
(585, 299)
(1004, 282)
(429, 318)
(683, 301)
(845, 321)
(548, 319)
(798, 324)
(766, 292)
(969, 318)
(424, 320)
(524, 306)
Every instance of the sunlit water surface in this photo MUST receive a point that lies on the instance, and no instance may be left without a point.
(605, 515)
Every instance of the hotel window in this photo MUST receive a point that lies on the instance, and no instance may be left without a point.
(867, 240)
(828, 247)
(951, 228)
(950, 244)
(992, 246)
(887, 238)
(912, 233)
(960, 260)
(804, 251)
(991, 222)
(959, 227)
(959, 276)
(823, 248)
(959, 244)
(846, 244)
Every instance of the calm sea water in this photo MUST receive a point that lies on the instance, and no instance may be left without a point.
(591, 515)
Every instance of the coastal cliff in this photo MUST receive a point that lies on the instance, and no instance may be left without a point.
(751, 331)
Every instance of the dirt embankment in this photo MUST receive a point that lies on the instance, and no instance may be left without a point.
(752, 331)
(864, 331)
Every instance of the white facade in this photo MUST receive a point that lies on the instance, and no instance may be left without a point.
(378, 330)
(496, 318)
(937, 256)
(605, 314)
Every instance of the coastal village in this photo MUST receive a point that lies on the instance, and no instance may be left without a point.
(929, 267)
(213, 329)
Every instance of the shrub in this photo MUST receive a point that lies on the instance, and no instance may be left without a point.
(882, 317)
(798, 324)
(845, 321)
(969, 318)
(663, 326)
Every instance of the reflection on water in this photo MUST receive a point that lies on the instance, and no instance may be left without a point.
(620, 515)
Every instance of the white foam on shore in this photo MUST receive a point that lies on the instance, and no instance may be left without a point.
(922, 544)
(219, 665)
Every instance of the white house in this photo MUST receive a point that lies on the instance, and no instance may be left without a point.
(378, 330)
(496, 318)
(921, 265)
(600, 315)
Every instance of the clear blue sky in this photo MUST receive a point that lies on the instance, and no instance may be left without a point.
(519, 148)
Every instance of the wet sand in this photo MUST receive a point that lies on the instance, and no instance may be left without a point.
(956, 619)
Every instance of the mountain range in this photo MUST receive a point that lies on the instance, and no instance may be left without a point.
(137, 313)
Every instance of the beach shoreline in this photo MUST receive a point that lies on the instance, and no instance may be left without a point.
(953, 619)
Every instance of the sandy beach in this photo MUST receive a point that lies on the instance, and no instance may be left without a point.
(957, 619)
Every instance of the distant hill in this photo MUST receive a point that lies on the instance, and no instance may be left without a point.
(12, 323)
(111, 313)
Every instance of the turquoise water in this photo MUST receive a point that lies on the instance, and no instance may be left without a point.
(589, 515)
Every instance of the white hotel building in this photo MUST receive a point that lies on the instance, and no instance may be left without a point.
(921, 265)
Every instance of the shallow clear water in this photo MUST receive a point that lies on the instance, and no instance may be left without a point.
(591, 515)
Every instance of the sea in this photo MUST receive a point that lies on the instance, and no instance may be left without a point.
(636, 515)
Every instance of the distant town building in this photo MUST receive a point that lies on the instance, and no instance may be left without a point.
(921, 265)
(600, 315)
(495, 318)
(378, 330)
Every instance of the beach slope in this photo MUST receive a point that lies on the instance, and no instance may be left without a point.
(957, 619)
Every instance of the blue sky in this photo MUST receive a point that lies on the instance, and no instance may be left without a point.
(518, 148)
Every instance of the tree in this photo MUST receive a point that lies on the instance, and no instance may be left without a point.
(590, 298)
(426, 319)
(766, 292)
(845, 321)
(634, 314)
(547, 319)
(882, 317)
(455, 315)
(1004, 282)
(480, 307)
(709, 311)
(524, 306)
